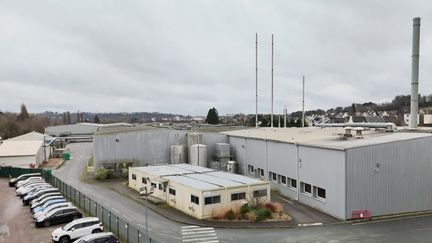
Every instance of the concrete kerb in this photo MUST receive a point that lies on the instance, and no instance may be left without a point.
(252, 225)
(59, 165)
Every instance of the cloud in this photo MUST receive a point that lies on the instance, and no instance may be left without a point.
(187, 56)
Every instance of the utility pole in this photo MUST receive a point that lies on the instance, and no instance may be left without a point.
(256, 80)
(303, 111)
(272, 59)
(285, 116)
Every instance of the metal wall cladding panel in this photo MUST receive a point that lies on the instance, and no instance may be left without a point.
(256, 153)
(390, 178)
(239, 152)
(324, 168)
(281, 159)
(144, 147)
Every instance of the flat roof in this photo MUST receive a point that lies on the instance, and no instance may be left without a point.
(192, 182)
(215, 180)
(236, 177)
(162, 170)
(327, 137)
(20, 148)
(192, 168)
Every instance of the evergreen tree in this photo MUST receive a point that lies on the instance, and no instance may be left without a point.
(212, 116)
(96, 119)
(24, 114)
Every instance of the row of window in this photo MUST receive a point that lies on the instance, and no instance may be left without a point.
(234, 197)
(284, 180)
(314, 191)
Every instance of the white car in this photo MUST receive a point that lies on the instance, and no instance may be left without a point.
(28, 180)
(77, 229)
(45, 196)
(50, 208)
(26, 189)
(42, 202)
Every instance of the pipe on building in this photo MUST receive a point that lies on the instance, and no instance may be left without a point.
(389, 126)
(415, 72)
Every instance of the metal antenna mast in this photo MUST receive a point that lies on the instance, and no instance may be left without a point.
(256, 79)
(303, 111)
(271, 119)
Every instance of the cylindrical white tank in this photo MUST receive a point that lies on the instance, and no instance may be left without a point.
(193, 138)
(232, 167)
(178, 154)
(198, 155)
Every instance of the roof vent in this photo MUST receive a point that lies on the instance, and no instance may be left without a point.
(359, 132)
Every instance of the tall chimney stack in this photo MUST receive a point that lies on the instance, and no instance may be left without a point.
(415, 73)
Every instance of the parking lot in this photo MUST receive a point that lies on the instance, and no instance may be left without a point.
(16, 224)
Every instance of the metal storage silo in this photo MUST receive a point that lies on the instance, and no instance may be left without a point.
(193, 138)
(198, 155)
(232, 167)
(178, 154)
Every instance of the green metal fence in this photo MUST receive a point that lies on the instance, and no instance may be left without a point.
(8, 171)
(125, 230)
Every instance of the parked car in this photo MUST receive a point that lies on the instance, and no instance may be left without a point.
(28, 198)
(25, 189)
(77, 229)
(50, 208)
(35, 190)
(47, 204)
(43, 201)
(58, 216)
(44, 196)
(106, 237)
(13, 181)
(28, 180)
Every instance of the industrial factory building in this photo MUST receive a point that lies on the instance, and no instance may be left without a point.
(338, 172)
(197, 191)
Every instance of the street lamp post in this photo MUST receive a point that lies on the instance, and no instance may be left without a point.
(144, 192)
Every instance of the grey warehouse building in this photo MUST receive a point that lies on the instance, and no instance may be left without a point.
(382, 172)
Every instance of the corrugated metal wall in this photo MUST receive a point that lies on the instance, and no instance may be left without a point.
(145, 147)
(390, 178)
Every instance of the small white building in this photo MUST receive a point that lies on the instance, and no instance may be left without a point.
(21, 153)
(197, 191)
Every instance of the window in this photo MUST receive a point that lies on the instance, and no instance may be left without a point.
(292, 183)
(160, 186)
(261, 172)
(238, 196)
(172, 191)
(306, 188)
(320, 193)
(272, 176)
(212, 200)
(133, 177)
(195, 199)
(260, 193)
(250, 168)
(153, 184)
(283, 179)
(144, 180)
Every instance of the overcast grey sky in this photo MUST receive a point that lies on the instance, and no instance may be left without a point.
(187, 56)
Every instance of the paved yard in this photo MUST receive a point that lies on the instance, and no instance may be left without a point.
(16, 224)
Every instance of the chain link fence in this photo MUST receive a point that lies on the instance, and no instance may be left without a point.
(125, 231)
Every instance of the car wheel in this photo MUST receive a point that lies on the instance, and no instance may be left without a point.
(64, 239)
(96, 231)
(47, 223)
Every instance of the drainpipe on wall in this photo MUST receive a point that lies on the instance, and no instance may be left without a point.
(298, 172)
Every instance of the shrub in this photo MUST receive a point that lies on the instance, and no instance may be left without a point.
(251, 216)
(263, 213)
(278, 208)
(270, 206)
(244, 209)
(230, 215)
(100, 173)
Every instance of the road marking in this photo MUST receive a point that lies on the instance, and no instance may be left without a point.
(140, 225)
(115, 210)
(197, 229)
(198, 234)
(106, 204)
(391, 219)
(311, 224)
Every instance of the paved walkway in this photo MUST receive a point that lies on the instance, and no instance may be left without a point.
(304, 214)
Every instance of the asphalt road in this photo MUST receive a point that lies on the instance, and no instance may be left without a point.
(414, 229)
